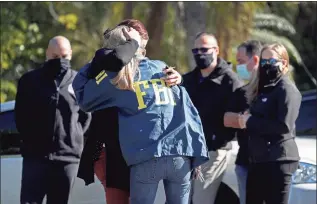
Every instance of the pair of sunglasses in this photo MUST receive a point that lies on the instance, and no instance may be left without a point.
(202, 50)
(269, 61)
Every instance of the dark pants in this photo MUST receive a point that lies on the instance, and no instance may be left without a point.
(117, 172)
(270, 182)
(51, 178)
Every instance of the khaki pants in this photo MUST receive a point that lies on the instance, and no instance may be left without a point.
(213, 171)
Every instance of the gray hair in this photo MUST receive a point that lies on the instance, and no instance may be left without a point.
(125, 78)
(114, 37)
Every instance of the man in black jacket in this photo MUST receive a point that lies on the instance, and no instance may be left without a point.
(211, 85)
(248, 58)
(52, 127)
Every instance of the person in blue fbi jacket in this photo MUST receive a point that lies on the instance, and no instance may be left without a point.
(160, 131)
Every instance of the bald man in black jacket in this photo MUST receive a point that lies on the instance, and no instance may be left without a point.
(52, 127)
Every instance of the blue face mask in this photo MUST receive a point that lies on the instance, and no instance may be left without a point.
(243, 72)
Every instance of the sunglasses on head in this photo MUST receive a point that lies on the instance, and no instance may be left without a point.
(202, 50)
(271, 61)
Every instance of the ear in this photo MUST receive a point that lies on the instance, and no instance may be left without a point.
(217, 50)
(70, 54)
(284, 66)
(256, 60)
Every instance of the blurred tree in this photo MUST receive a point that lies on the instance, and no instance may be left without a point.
(230, 22)
(128, 9)
(302, 16)
(235, 26)
(88, 35)
(155, 27)
(306, 42)
(20, 47)
(173, 47)
(193, 21)
(26, 28)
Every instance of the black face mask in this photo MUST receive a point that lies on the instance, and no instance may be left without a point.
(57, 66)
(269, 74)
(203, 61)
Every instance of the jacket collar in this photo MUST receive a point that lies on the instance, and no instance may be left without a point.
(268, 88)
(67, 76)
(217, 74)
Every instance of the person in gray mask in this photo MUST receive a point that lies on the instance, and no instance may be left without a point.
(210, 86)
(53, 131)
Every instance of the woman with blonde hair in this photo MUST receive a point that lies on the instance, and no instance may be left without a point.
(270, 123)
(102, 154)
(160, 131)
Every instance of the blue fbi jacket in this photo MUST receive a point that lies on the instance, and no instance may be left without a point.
(154, 121)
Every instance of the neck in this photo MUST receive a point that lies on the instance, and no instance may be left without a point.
(206, 72)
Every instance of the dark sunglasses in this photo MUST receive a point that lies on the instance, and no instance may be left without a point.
(202, 50)
(269, 61)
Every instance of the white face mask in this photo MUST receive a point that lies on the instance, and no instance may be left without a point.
(243, 72)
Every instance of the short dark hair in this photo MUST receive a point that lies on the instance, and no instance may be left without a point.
(252, 47)
(200, 34)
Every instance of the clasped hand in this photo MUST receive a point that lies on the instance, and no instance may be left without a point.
(236, 120)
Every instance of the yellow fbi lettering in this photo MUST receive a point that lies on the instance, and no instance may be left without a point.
(101, 76)
(163, 94)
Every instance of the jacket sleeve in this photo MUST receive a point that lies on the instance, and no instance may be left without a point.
(84, 119)
(96, 93)
(113, 60)
(21, 111)
(235, 85)
(288, 109)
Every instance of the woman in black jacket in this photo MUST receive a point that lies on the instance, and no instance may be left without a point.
(274, 106)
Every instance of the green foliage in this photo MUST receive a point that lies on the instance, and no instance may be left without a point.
(270, 37)
(69, 20)
(272, 21)
(232, 22)
(173, 35)
(27, 27)
(8, 90)
(19, 36)
(285, 9)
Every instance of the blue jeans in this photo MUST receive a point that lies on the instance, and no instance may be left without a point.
(242, 172)
(175, 173)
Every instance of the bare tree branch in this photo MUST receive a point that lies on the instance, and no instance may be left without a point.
(52, 11)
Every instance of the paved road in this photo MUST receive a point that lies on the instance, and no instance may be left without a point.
(11, 183)
(11, 168)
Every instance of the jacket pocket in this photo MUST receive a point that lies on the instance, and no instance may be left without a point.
(259, 149)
